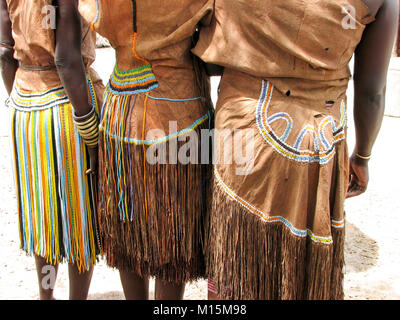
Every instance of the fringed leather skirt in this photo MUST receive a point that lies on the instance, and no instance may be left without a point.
(152, 204)
(276, 223)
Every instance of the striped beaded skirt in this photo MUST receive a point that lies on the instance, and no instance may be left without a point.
(56, 200)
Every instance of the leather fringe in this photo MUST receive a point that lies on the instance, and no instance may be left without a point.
(252, 260)
(168, 243)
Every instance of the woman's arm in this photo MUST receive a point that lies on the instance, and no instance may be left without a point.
(7, 62)
(372, 59)
(68, 56)
(71, 69)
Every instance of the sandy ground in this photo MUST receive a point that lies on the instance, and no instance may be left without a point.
(372, 239)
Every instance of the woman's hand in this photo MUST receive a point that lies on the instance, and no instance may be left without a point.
(358, 176)
(93, 157)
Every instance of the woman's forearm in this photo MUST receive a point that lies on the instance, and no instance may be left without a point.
(372, 60)
(368, 116)
(73, 77)
(68, 57)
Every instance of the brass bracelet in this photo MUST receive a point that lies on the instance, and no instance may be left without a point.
(363, 157)
(87, 138)
(92, 140)
(83, 123)
(89, 133)
(84, 118)
(92, 143)
(89, 128)
(94, 133)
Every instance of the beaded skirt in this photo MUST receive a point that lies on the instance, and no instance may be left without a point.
(57, 202)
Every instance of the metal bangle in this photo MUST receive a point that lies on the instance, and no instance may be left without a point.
(84, 118)
(363, 157)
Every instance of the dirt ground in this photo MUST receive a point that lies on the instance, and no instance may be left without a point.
(372, 237)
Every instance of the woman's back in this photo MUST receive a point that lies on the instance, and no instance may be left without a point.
(301, 39)
(285, 81)
(33, 23)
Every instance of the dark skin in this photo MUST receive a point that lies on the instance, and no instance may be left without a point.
(372, 58)
(71, 70)
(137, 288)
(8, 64)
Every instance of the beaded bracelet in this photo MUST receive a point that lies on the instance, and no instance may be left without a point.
(88, 128)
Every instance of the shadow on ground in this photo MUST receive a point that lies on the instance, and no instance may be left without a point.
(361, 252)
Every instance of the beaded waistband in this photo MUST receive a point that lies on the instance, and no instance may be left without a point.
(133, 81)
(38, 101)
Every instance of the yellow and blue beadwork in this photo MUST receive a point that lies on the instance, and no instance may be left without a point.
(323, 149)
(133, 81)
